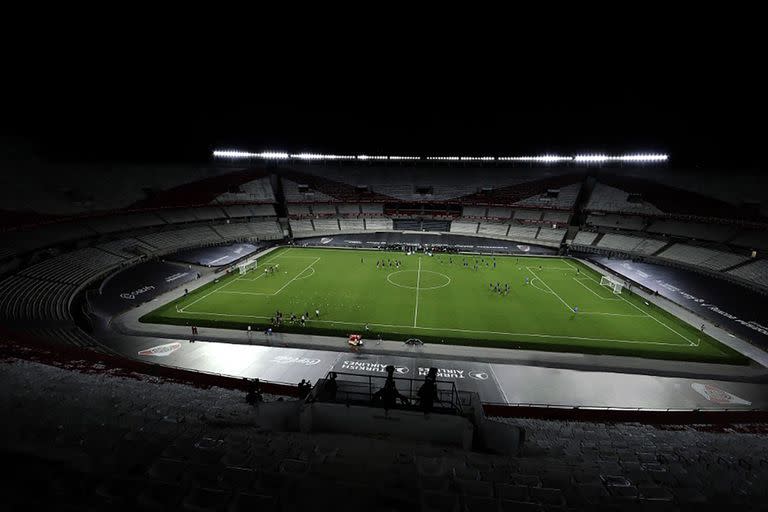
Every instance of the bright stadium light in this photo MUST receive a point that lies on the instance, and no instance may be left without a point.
(273, 155)
(539, 158)
(371, 157)
(651, 157)
(231, 153)
(592, 158)
(405, 157)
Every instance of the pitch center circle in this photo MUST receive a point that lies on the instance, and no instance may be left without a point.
(428, 280)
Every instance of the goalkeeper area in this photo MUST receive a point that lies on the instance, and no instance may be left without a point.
(553, 304)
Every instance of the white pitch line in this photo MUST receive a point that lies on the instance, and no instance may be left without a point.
(297, 275)
(418, 281)
(550, 289)
(470, 331)
(590, 289)
(220, 287)
(691, 343)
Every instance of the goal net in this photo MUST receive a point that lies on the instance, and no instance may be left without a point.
(248, 265)
(612, 283)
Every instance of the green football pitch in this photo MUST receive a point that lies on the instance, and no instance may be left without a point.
(551, 304)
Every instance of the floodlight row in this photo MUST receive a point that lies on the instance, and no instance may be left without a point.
(581, 158)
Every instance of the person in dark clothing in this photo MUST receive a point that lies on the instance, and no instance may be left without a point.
(388, 395)
(428, 391)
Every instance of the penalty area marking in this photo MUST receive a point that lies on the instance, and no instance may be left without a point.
(470, 331)
(580, 279)
(690, 343)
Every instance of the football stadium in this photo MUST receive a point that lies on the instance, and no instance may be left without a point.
(280, 327)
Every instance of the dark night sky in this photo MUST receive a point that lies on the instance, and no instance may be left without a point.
(703, 114)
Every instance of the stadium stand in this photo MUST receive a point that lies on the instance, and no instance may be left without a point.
(527, 215)
(557, 217)
(629, 222)
(551, 235)
(755, 272)
(74, 267)
(522, 233)
(372, 208)
(256, 191)
(299, 210)
(302, 227)
(24, 298)
(114, 223)
(585, 238)
(464, 227)
(177, 215)
(694, 230)
(605, 198)
(493, 229)
(751, 239)
(378, 224)
(631, 244)
(499, 212)
(349, 209)
(128, 248)
(351, 225)
(177, 239)
(324, 209)
(326, 225)
(475, 211)
(702, 257)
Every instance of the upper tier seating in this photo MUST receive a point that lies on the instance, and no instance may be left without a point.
(629, 222)
(751, 239)
(702, 257)
(585, 238)
(499, 212)
(165, 240)
(474, 211)
(324, 209)
(695, 230)
(127, 248)
(756, 272)
(74, 267)
(256, 191)
(299, 210)
(252, 210)
(372, 208)
(524, 215)
(557, 217)
(349, 209)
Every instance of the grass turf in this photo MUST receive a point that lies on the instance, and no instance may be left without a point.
(438, 299)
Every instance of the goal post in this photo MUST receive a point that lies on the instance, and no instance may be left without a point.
(611, 282)
(248, 265)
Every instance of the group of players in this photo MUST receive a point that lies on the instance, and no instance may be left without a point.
(387, 263)
(277, 320)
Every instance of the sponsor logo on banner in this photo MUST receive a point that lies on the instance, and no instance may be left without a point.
(132, 295)
(717, 395)
(444, 373)
(326, 240)
(295, 360)
(524, 248)
(161, 350)
(364, 366)
(478, 375)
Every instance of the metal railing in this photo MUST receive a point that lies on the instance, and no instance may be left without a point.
(352, 388)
